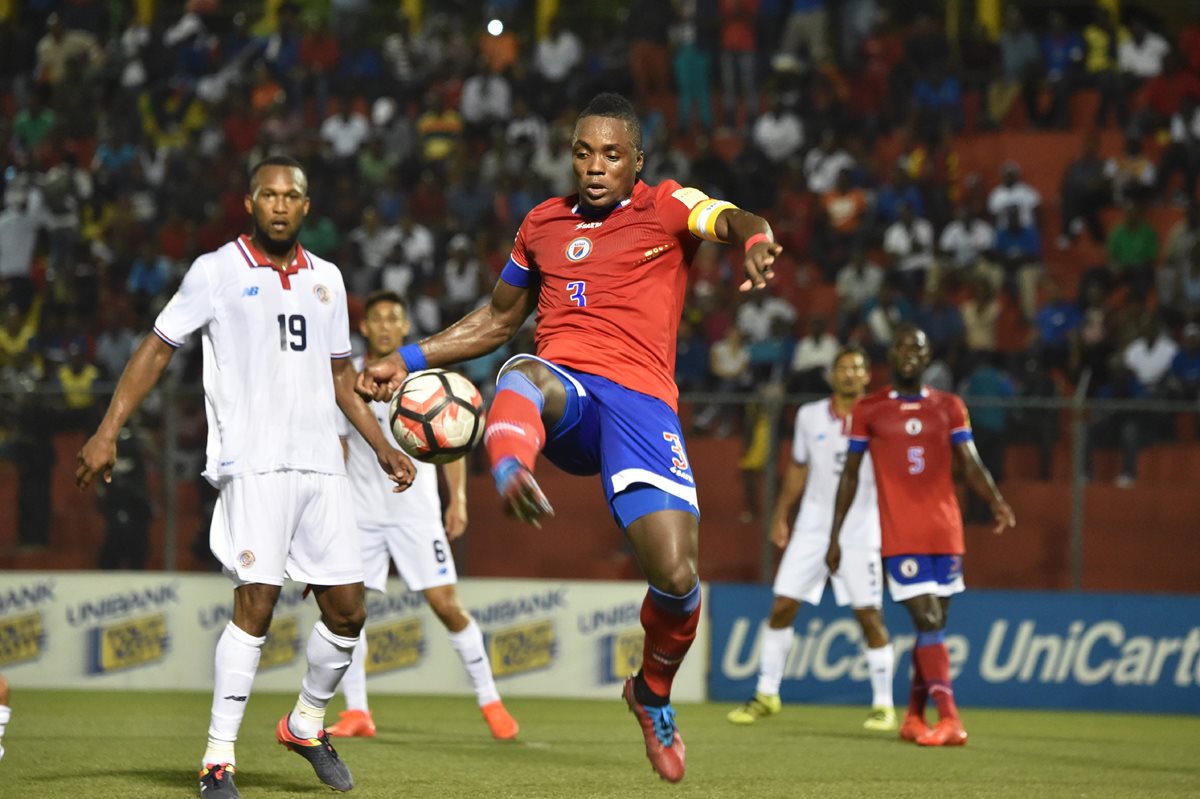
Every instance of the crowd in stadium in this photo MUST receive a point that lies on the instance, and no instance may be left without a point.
(126, 142)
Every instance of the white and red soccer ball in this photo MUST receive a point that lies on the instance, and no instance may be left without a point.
(437, 416)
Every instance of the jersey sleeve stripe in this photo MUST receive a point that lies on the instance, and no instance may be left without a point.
(702, 221)
(961, 436)
(339, 355)
(515, 273)
(857, 445)
(170, 341)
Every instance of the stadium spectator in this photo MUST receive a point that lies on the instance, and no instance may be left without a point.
(76, 380)
(981, 313)
(1013, 191)
(1150, 355)
(319, 55)
(1121, 429)
(885, 313)
(1062, 56)
(1084, 192)
(937, 101)
(1100, 38)
(404, 58)
(20, 222)
(989, 424)
(1038, 425)
(33, 123)
(824, 162)
(1018, 249)
(1178, 279)
(1020, 70)
(813, 358)
(1140, 58)
(114, 344)
(925, 44)
(1131, 174)
(462, 277)
(897, 189)
(695, 38)
(60, 46)
(806, 32)
(556, 57)
(942, 322)
(691, 359)
(760, 311)
(738, 56)
(963, 247)
(126, 507)
(1183, 380)
(1182, 154)
(979, 64)
(858, 281)
(440, 128)
(648, 31)
(1132, 253)
(843, 222)
(1165, 94)
(18, 331)
(1056, 327)
(487, 97)
(908, 243)
(729, 364)
(778, 133)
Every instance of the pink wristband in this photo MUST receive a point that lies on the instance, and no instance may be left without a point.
(755, 239)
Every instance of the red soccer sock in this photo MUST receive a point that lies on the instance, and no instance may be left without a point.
(918, 694)
(669, 636)
(514, 429)
(934, 660)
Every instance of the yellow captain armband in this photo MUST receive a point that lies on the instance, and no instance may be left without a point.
(702, 221)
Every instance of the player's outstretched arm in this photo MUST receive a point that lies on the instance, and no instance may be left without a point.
(455, 518)
(847, 488)
(397, 465)
(981, 482)
(140, 375)
(485, 329)
(794, 480)
(753, 235)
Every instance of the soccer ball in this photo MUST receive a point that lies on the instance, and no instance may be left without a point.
(437, 416)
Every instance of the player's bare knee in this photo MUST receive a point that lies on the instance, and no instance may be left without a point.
(253, 607)
(445, 606)
(874, 631)
(783, 612)
(677, 579)
(3, 690)
(347, 622)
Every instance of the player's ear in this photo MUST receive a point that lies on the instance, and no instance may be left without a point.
(362, 326)
(639, 162)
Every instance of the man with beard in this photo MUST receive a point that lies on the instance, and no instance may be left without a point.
(273, 319)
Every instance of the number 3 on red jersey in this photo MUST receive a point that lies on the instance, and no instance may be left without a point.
(578, 289)
(680, 460)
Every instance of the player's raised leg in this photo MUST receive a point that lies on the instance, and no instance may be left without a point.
(330, 647)
(467, 640)
(529, 399)
(666, 545)
(777, 641)
(930, 654)
(236, 663)
(881, 661)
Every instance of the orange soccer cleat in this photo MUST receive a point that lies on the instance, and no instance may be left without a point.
(503, 726)
(913, 728)
(948, 732)
(353, 724)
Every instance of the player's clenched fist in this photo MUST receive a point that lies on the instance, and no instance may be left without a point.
(96, 458)
(382, 379)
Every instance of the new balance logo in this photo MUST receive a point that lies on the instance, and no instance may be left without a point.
(251, 291)
(476, 660)
(237, 698)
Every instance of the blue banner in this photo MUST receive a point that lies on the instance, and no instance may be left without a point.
(1007, 649)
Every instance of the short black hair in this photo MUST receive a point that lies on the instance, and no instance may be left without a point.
(615, 106)
(384, 295)
(278, 160)
(851, 349)
(904, 328)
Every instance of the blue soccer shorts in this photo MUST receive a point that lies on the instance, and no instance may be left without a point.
(917, 575)
(634, 441)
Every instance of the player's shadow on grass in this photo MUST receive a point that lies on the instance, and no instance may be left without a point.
(183, 780)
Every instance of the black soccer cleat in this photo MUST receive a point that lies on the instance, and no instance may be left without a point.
(216, 782)
(319, 753)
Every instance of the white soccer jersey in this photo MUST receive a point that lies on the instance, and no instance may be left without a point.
(375, 504)
(268, 336)
(821, 441)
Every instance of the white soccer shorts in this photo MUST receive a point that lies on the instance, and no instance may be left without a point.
(298, 525)
(802, 574)
(419, 549)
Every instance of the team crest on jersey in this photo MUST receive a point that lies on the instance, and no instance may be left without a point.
(323, 294)
(579, 248)
(912, 426)
(246, 558)
(909, 567)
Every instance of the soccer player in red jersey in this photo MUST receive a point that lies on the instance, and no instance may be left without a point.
(606, 270)
(915, 433)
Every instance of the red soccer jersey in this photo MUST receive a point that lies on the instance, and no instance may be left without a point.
(612, 286)
(911, 441)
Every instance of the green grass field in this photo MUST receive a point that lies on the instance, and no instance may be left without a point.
(80, 745)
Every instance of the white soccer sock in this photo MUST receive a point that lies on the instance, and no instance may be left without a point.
(776, 644)
(881, 662)
(236, 664)
(5, 715)
(354, 681)
(328, 657)
(468, 643)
